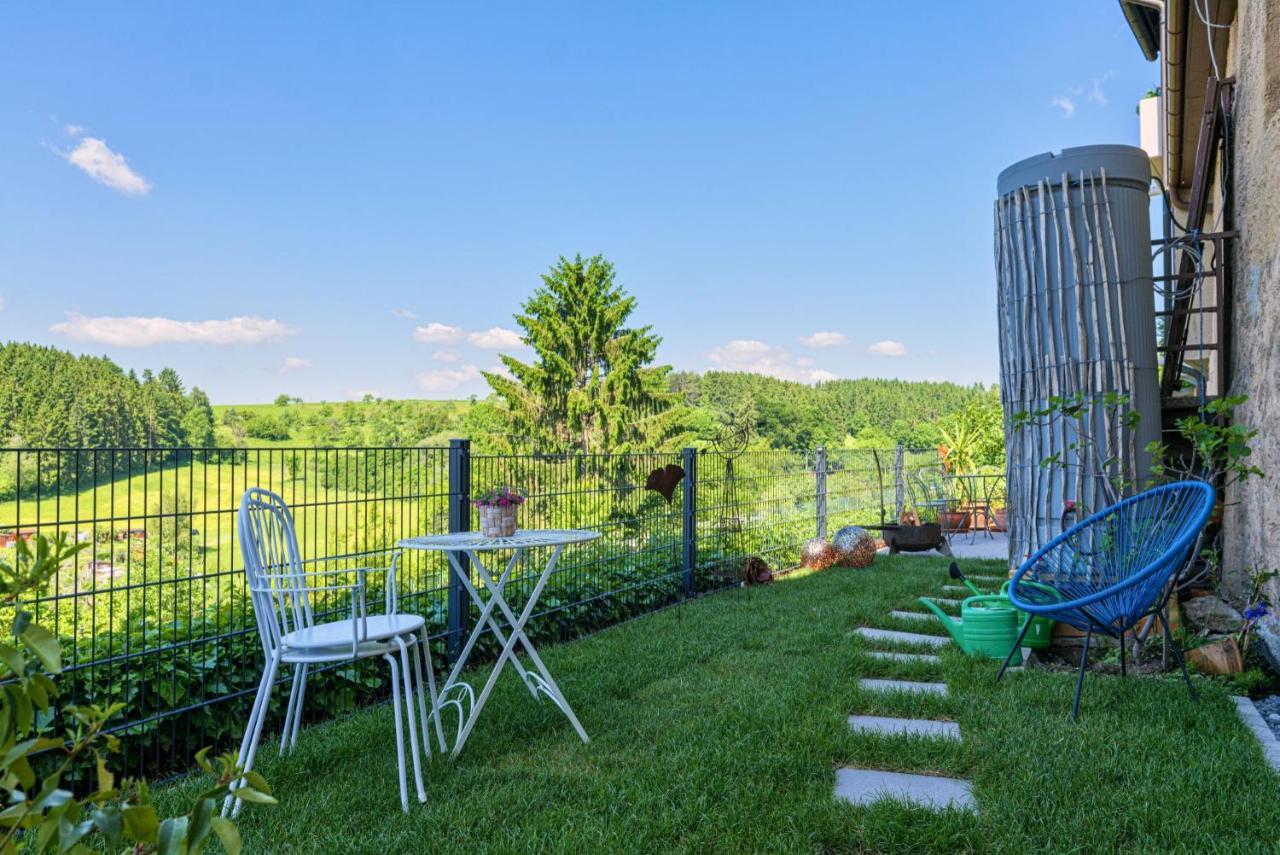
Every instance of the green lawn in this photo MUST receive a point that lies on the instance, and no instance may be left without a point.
(718, 726)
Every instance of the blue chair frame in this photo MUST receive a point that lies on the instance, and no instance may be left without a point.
(1115, 568)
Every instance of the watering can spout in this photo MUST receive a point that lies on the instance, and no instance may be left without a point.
(951, 625)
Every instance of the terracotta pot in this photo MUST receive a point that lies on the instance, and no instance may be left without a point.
(953, 520)
(1001, 519)
(498, 520)
(1219, 657)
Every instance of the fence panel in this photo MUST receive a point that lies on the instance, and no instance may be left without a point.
(154, 613)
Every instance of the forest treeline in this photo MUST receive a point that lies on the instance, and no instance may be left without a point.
(52, 398)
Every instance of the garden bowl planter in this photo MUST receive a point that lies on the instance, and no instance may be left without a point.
(498, 520)
(1219, 657)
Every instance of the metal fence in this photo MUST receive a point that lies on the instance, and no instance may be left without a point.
(153, 612)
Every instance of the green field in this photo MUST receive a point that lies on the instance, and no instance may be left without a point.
(346, 423)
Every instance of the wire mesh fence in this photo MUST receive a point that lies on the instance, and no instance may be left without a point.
(153, 612)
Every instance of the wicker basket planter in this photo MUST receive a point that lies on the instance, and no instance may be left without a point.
(498, 521)
(497, 508)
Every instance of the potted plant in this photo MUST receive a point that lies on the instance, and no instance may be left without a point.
(497, 507)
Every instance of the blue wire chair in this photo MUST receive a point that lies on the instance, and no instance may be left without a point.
(1114, 569)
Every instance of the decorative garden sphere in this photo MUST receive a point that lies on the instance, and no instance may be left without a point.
(817, 553)
(848, 536)
(855, 547)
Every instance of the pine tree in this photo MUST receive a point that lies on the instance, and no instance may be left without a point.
(591, 388)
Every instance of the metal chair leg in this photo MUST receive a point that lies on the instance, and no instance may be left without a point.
(407, 674)
(297, 714)
(287, 727)
(1084, 660)
(1122, 668)
(1017, 645)
(395, 709)
(253, 733)
(1177, 653)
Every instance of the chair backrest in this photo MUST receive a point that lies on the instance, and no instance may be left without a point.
(1111, 567)
(273, 566)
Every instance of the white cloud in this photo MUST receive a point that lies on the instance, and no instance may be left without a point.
(751, 355)
(1065, 104)
(495, 338)
(888, 347)
(144, 332)
(824, 339)
(294, 363)
(73, 130)
(437, 333)
(407, 314)
(1092, 92)
(447, 379)
(93, 157)
(1096, 95)
(445, 356)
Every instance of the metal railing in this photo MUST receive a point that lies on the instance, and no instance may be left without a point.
(153, 612)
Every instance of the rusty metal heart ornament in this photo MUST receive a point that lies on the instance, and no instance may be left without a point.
(663, 481)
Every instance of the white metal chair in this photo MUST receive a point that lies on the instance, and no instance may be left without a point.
(286, 596)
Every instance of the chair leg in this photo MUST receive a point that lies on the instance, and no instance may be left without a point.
(407, 674)
(395, 707)
(1122, 668)
(253, 732)
(287, 727)
(1017, 645)
(297, 714)
(1084, 660)
(1177, 653)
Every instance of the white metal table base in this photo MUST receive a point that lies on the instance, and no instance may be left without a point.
(540, 683)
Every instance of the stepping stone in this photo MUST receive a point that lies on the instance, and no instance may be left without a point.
(1261, 730)
(995, 580)
(946, 601)
(865, 786)
(909, 726)
(903, 657)
(957, 589)
(919, 616)
(874, 634)
(903, 686)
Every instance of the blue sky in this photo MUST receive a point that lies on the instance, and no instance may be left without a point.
(332, 199)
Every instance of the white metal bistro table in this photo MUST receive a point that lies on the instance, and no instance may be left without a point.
(538, 679)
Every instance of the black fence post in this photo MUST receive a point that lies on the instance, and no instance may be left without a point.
(459, 604)
(690, 534)
(820, 471)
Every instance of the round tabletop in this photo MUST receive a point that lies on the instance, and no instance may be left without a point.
(474, 541)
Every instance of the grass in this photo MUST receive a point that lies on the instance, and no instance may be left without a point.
(718, 726)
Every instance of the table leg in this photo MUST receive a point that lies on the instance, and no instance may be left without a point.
(547, 683)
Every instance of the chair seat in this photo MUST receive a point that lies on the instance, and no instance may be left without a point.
(338, 633)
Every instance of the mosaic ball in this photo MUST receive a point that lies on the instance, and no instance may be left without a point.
(817, 553)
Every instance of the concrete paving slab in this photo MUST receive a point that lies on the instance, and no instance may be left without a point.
(909, 726)
(873, 634)
(875, 685)
(865, 786)
(903, 657)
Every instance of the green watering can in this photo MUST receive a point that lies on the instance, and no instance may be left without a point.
(988, 623)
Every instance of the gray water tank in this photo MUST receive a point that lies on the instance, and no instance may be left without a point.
(1077, 317)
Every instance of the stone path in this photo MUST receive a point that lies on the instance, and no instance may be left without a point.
(866, 786)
